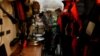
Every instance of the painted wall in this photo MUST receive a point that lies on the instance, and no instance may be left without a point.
(50, 4)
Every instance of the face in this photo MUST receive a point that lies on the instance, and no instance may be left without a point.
(36, 7)
(49, 13)
(58, 11)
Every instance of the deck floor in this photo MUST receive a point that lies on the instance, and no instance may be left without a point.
(30, 50)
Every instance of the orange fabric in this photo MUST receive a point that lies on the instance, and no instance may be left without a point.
(85, 50)
(65, 10)
(74, 11)
(98, 2)
(20, 11)
(25, 44)
(74, 40)
(59, 21)
(80, 24)
(74, 45)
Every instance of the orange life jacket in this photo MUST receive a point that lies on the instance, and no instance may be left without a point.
(20, 11)
(98, 2)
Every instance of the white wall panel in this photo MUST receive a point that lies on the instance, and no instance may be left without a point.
(50, 4)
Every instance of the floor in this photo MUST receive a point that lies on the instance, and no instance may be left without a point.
(30, 50)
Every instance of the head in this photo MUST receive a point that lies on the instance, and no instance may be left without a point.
(36, 7)
(49, 13)
(58, 11)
